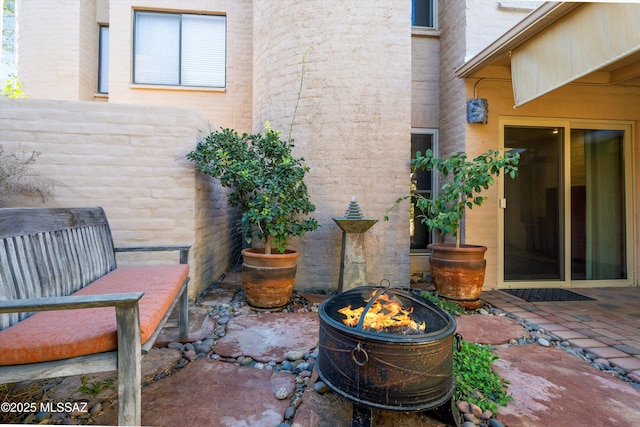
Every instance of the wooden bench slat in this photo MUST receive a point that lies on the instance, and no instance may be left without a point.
(46, 254)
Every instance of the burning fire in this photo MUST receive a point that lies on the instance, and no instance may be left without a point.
(384, 313)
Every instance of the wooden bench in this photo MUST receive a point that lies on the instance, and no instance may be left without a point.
(58, 284)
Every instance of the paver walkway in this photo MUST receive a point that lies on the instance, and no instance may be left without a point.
(549, 386)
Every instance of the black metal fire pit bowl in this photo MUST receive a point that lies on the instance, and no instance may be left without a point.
(388, 370)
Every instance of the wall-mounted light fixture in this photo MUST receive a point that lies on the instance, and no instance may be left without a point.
(477, 108)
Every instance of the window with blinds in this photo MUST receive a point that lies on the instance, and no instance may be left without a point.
(179, 49)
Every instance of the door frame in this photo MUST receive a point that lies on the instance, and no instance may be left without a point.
(567, 125)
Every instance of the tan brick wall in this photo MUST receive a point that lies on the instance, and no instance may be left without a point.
(48, 60)
(131, 160)
(425, 81)
(230, 107)
(353, 123)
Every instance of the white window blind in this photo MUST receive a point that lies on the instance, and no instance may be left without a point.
(179, 49)
(203, 50)
(103, 71)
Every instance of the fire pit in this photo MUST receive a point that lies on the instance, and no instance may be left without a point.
(386, 348)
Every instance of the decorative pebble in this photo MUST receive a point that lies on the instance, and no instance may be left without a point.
(544, 342)
(472, 418)
(468, 424)
(289, 413)
(464, 407)
(294, 355)
(282, 393)
(486, 414)
(475, 410)
(495, 423)
(95, 409)
(320, 387)
(175, 345)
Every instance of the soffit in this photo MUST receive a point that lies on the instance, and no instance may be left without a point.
(558, 44)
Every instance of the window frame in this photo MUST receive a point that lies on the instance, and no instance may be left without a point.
(434, 18)
(434, 181)
(180, 42)
(103, 59)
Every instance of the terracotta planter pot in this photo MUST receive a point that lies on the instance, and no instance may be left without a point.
(458, 273)
(268, 279)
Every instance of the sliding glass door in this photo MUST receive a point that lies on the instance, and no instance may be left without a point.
(566, 218)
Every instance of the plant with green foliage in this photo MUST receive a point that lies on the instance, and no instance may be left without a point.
(93, 388)
(267, 183)
(467, 180)
(476, 382)
(446, 305)
(12, 88)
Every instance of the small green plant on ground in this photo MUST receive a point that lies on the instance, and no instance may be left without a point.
(451, 307)
(93, 388)
(476, 382)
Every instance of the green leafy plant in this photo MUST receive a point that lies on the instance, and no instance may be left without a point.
(12, 88)
(476, 382)
(450, 307)
(267, 183)
(468, 178)
(93, 388)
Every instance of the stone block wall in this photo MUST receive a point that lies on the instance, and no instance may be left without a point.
(130, 160)
(353, 121)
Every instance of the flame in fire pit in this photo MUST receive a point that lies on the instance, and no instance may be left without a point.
(384, 314)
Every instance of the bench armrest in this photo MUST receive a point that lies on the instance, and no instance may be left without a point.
(125, 299)
(184, 250)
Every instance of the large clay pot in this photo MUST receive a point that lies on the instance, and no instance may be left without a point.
(458, 273)
(268, 279)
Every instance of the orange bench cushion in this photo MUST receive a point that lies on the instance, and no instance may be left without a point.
(55, 335)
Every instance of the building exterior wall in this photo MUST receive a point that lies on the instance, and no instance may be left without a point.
(130, 160)
(570, 102)
(48, 60)
(353, 121)
(229, 107)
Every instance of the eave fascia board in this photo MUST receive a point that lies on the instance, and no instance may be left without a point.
(524, 30)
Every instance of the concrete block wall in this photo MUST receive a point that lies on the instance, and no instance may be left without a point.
(130, 160)
(353, 121)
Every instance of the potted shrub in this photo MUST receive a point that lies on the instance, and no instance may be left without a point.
(458, 269)
(268, 186)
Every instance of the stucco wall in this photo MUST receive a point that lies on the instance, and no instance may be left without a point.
(130, 160)
(570, 102)
(48, 60)
(229, 107)
(353, 123)
(60, 61)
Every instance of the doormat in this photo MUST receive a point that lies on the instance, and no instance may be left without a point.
(546, 295)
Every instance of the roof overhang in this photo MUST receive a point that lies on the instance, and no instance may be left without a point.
(559, 43)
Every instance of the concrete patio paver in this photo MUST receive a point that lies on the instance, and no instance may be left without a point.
(214, 394)
(553, 388)
(550, 387)
(269, 336)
